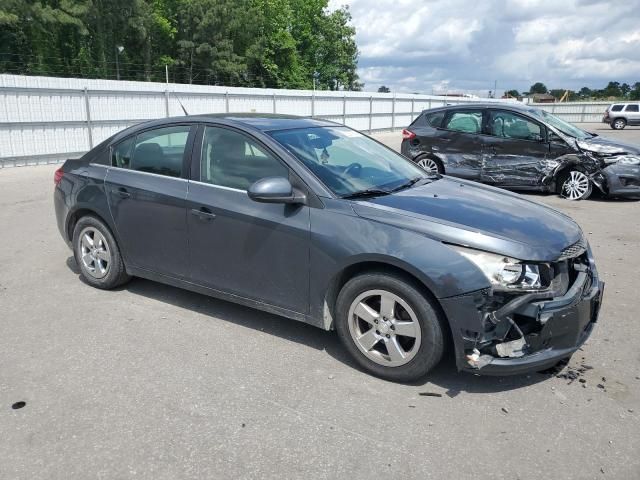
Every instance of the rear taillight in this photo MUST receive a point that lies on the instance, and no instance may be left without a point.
(408, 134)
(57, 176)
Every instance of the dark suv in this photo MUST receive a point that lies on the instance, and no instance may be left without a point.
(515, 146)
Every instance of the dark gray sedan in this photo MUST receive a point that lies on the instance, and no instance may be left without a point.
(319, 223)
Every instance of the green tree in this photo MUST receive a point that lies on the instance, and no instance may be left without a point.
(538, 87)
(512, 93)
(383, 89)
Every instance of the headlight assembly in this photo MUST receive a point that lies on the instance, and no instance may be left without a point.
(504, 273)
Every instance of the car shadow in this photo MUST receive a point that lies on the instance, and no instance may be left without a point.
(444, 376)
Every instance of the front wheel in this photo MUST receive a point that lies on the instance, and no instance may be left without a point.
(575, 185)
(389, 326)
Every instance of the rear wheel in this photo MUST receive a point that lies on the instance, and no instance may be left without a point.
(389, 326)
(618, 123)
(574, 185)
(429, 164)
(97, 254)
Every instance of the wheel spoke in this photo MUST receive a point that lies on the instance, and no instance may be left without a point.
(387, 306)
(87, 241)
(97, 239)
(406, 329)
(396, 353)
(86, 259)
(366, 313)
(369, 339)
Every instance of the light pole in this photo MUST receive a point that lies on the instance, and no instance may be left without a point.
(119, 50)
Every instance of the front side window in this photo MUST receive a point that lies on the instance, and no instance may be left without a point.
(632, 108)
(467, 121)
(510, 125)
(232, 159)
(161, 151)
(617, 108)
(348, 162)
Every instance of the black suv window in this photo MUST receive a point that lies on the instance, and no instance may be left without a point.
(617, 108)
(632, 108)
(231, 159)
(468, 121)
(511, 125)
(435, 119)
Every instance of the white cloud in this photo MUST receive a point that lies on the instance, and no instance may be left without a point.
(461, 45)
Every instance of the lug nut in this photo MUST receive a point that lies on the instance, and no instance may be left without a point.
(375, 320)
(393, 327)
(378, 332)
(388, 336)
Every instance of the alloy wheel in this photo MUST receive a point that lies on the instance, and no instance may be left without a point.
(428, 164)
(619, 124)
(384, 328)
(95, 254)
(575, 186)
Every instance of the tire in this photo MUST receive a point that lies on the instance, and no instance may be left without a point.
(412, 313)
(429, 164)
(618, 123)
(100, 264)
(574, 184)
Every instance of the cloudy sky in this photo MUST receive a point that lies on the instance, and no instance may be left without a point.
(425, 45)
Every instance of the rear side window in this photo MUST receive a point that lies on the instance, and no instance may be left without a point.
(121, 153)
(160, 151)
(617, 108)
(467, 121)
(632, 108)
(435, 119)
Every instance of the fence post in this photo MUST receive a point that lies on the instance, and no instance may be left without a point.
(166, 102)
(274, 102)
(584, 109)
(370, 113)
(412, 109)
(429, 104)
(88, 111)
(393, 113)
(313, 104)
(344, 109)
(226, 102)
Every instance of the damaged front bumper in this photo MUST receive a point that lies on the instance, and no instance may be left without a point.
(530, 332)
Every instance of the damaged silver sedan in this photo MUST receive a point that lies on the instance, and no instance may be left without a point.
(519, 147)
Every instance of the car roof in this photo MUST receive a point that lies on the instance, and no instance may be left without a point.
(520, 107)
(264, 122)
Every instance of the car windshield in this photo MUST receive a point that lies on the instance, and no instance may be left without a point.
(560, 124)
(348, 162)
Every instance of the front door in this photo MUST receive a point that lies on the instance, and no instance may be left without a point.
(514, 150)
(147, 197)
(258, 251)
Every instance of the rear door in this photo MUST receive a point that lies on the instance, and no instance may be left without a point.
(514, 150)
(258, 251)
(147, 188)
(460, 143)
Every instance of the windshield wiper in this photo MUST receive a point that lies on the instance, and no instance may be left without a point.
(369, 192)
(408, 184)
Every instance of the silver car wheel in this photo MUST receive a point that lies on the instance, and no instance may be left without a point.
(94, 253)
(428, 164)
(619, 124)
(384, 328)
(575, 186)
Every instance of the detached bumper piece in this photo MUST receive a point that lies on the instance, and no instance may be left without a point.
(530, 331)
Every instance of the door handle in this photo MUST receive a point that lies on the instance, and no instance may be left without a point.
(203, 213)
(122, 193)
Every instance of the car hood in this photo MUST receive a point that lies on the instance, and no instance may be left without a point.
(607, 146)
(478, 216)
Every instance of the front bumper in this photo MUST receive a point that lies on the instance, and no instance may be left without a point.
(563, 324)
(622, 180)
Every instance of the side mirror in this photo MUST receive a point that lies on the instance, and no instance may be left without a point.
(274, 190)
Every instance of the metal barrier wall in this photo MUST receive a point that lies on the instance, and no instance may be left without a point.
(48, 119)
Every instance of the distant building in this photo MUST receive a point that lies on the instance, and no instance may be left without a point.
(542, 98)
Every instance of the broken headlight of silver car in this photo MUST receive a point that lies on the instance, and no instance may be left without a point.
(504, 273)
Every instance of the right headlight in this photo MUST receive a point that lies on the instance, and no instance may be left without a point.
(504, 273)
